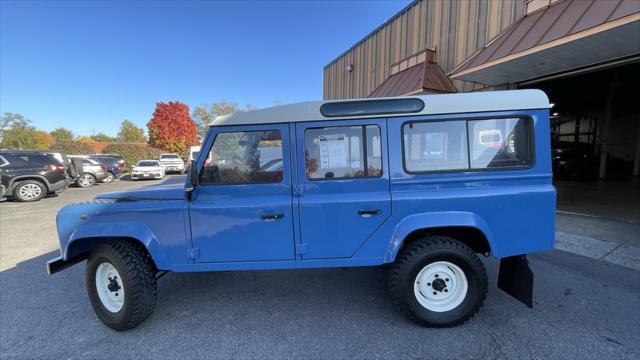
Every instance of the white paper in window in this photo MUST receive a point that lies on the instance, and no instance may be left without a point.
(375, 142)
(355, 148)
(333, 151)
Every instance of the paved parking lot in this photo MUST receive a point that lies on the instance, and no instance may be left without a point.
(584, 309)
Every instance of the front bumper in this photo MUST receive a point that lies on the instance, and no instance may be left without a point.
(173, 167)
(58, 264)
(137, 176)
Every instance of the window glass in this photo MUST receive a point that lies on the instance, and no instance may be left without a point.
(339, 152)
(244, 157)
(499, 143)
(435, 146)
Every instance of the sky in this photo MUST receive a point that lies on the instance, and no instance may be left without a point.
(87, 65)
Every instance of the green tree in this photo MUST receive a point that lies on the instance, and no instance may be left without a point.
(9, 120)
(203, 115)
(61, 135)
(102, 137)
(130, 133)
(19, 136)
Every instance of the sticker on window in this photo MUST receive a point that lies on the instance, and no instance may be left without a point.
(333, 151)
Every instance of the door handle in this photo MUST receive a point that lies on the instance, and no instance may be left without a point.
(271, 217)
(369, 213)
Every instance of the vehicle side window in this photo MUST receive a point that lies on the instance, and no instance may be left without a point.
(3, 161)
(498, 143)
(343, 152)
(467, 144)
(435, 146)
(244, 158)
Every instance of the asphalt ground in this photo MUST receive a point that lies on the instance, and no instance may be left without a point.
(584, 309)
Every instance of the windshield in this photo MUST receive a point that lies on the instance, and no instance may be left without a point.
(169, 156)
(148, 163)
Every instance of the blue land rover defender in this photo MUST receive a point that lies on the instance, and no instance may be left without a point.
(421, 184)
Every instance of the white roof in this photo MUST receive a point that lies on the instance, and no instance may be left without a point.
(484, 101)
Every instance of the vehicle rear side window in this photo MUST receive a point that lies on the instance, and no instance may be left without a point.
(497, 143)
(244, 158)
(467, 144)
(435, 146)
(343, 152)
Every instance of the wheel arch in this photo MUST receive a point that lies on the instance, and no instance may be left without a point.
(466, 227)
(16, 180)
(85, 239)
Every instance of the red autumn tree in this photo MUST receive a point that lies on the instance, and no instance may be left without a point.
(171, 128)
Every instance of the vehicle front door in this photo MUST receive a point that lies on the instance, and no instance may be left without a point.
(343, 190)
(241, 209)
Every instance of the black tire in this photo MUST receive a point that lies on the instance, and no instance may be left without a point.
(90, 181)
(29, 190)
(138, 283)
(110, 177)
(429, 250)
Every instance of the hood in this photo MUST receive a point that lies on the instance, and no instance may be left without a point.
(153, 192)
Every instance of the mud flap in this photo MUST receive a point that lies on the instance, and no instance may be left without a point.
(516, 278)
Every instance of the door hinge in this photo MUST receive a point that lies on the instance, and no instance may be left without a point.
(194, 253)
(298, 190)
(302, 248)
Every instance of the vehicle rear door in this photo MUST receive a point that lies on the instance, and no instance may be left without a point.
(242, 209)
(343, 187)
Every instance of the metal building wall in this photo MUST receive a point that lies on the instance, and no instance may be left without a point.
(455, 28)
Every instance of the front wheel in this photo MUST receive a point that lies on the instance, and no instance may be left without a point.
(438, 281)
(121, 284)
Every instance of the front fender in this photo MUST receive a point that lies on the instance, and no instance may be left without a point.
(421, 221)
(135, 230)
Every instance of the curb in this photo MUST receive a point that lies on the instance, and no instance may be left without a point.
(615, 253)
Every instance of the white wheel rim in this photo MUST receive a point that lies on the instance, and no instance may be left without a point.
(85, 180)
(30, 191)
(110, 287)
(109, 178)
(441, 286)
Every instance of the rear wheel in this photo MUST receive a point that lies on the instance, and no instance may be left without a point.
(110, 177)
(121, 284)
(86, 180)
(29, 190)
(438, 281)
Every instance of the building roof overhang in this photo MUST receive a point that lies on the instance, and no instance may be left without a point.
(563, 36)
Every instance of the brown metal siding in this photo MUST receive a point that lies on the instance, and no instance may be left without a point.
(456, 29)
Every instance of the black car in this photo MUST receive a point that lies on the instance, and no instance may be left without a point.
(31, 175)
(572, 161)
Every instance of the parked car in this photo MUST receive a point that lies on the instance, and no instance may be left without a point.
(114, 170)
(147, 169)
(421, 184)
(92, 172)
(171, 163)
(31, 175)
(573, 161)
(120, 159)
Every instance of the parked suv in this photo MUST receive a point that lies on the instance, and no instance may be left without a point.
(171, 163)
(422, 184)
(31, 175)
(114, 170)
(92, 172)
